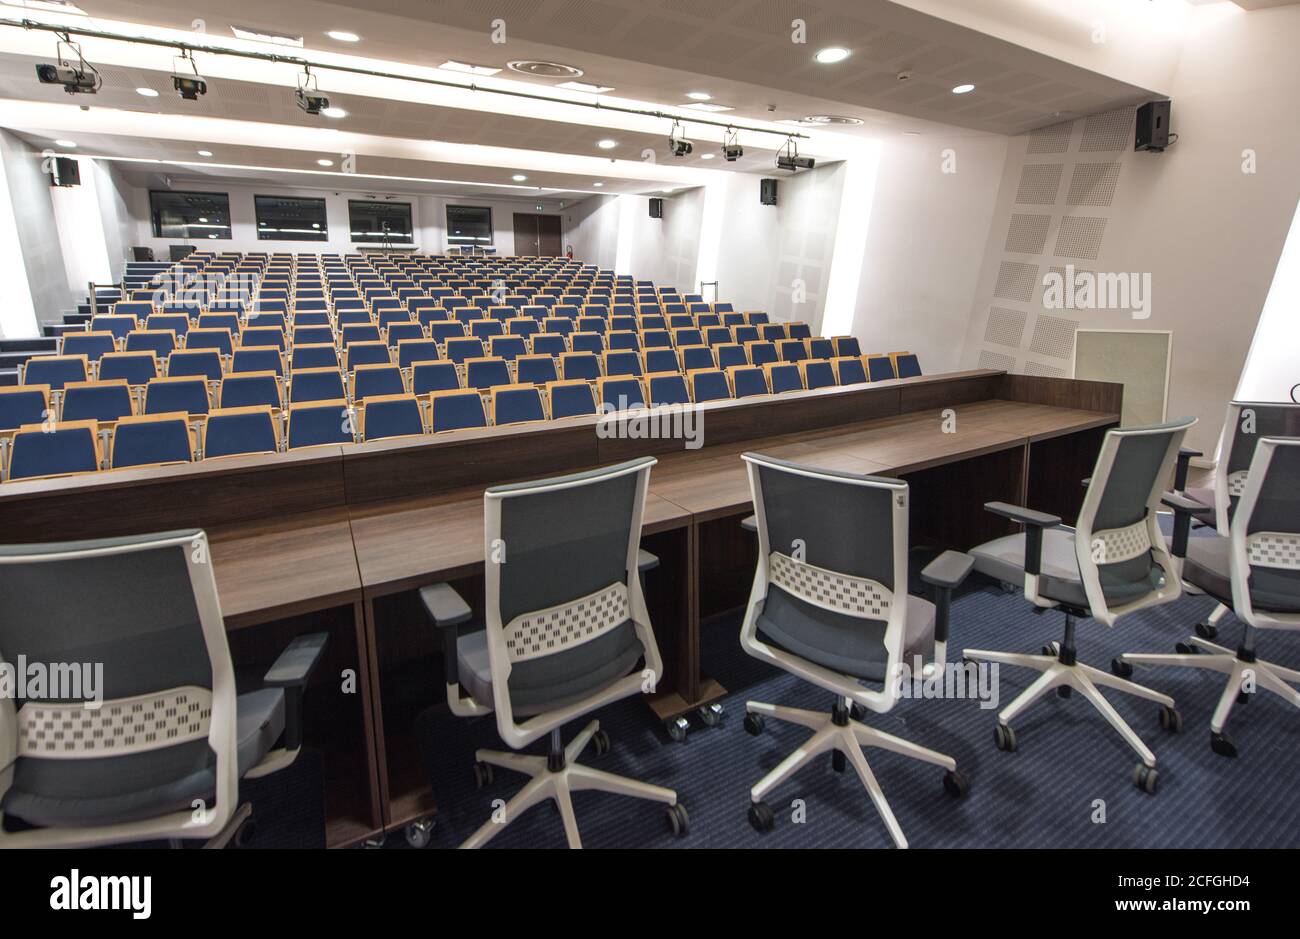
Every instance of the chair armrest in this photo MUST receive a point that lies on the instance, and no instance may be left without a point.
(447, 610)
(1034, 523)
(750, 523)
(1185, 457)
(1184, 510)
(944, 573)
(291, 672)
(645, 561)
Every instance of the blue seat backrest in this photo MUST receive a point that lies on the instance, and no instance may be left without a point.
(311, 385)
(241, 391)
(319, 424)
(458, 411)
(785, 377)
(164, 396)
(19, 407)
(668, 389)
(396, 418)
(166, 441)
(433, 376)
(136, 368)
(106, 402)
(515, 405)
(52, 453)
(55, 371)
(881, 369)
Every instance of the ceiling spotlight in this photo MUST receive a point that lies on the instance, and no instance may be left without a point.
(205, 153)
(334, 112)
(678, 145)
(831, 55)
(65, 143)
(787, 158)
(731, 148)
(545, 69)
(519, 177)
(324, 162)
(607, 144)
(706, 156)
(963, 89)
(342, 35)
(699, 95)
(308, 94)
(77, 78)
(146, 92)
(598, 185)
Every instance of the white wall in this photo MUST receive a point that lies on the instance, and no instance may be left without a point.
(926, 244)
(38, 238)
(120, 228)
(591, 227)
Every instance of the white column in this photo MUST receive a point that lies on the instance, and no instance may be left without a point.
(17, 312)
(81, 231)
(850, 239)
(1272, 369)
(627, 206)
(706, 262)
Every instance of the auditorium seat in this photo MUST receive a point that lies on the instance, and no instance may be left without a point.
(620, 393)
(659, 360)
(507, 347)
(460, 349)
(54, 370)
(516, 404)
(410, 351)
(152, 440)
(387, 416)
(205, 363)
(319, 423)
(906, 364)
(667, 388)
(176, 395)
(61, 449)
(730, 355)
(323, 355)
(250, 389)
(746, 381)
(97, 401)
(579, 365)
(236, 431)
(428, 377)
(456, 410)
(486, 372)
(880, 368)
(135, 368)
(696, 357)
(259, 336)
(817, 373)
(772, 332)
(587, 342)
(548, 344)
(621, 362)
(315, 384)
(846, 346)
(376, 380)
(118, 326)
(203, 338)
(90, 344)
(257, 359)
(23, 404)
(783, 376)
(819, 347)
(849, 370)
(178, 323)
(798, 330)
(791, 350)
(367, 353)
(313, 335)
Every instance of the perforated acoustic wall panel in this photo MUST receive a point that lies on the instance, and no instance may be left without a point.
(1053, 209)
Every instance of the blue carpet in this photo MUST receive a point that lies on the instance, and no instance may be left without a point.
(1070, 768)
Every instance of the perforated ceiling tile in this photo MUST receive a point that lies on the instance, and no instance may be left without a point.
(1093, 184)
(1039, 183)
(1108, 132)
(1054, 336)
(1080, 236)
(588, 16)
(1005, 327)
(1016, 281)
(997, 360)
(1053, 139)
(1027, 234)
(1048, 371)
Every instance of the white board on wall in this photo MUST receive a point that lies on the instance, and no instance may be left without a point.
(1138, 359)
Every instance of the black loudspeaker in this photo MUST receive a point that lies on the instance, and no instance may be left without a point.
(65, 172)
(1152, 126)
(656, 208)
(141, 254)
(767, 191)
(180, 252)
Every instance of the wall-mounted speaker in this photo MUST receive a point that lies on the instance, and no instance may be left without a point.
(65, 172)
(656, 208)
(1152, 126)
(767, 191)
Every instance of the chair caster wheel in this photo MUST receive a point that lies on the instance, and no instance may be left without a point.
(1243, 697)
(677, 729)
(1004, 738)
(1146, 778)
(710, 715)
(245, 833)
(1064, 691)
(1171, 720)
(679, 823)
(955, 783)
(838, 761)
(1121, 668)
(1207, 630)
(1186, 648)
(1222, 744)
(857, 712)
(761, 817)
(483, 775)
(419, 832)
(600, 743)
(754, 724)
(1049, 649)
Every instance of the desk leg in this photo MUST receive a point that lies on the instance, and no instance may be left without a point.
(370, 681)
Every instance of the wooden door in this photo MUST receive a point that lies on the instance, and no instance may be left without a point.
(538, 235)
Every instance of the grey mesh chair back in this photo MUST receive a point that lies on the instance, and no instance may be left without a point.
(1246, 424)
(1123, 560)
(832, 560)
(566, 618)
(146, 609)
(1265, 538)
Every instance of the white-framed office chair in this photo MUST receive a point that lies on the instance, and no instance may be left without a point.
(830, 605)
(1112, 563)
(162, 753)
(567, 632)
(1254, 569)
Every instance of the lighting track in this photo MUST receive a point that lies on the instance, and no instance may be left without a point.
(190, 47)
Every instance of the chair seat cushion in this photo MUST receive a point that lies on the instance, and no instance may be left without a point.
(116, 789)
(1208, 567)
(551, 681)
(844, 644)
(1059, 579)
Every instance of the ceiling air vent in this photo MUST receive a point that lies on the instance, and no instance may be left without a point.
(545, 69)
(831, 119)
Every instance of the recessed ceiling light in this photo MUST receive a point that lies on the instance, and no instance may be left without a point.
(451, 65)
(586, 87)
(607, 144)
(699, 95)
(519, 177)
(963, 89)
(342, 35)
(334, 112)
(545, 69)
(831, 55)
(203, 219)
(205, 153)
(146, 92)
(598, 184)
(700, 106)
(65, 143)
(831, 119)
(324, 162)
(707, 156)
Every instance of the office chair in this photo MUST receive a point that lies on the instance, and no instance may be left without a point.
(567, 632)
(1112, 563)
(163, 754)
(1255, 569)
(826, 613)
